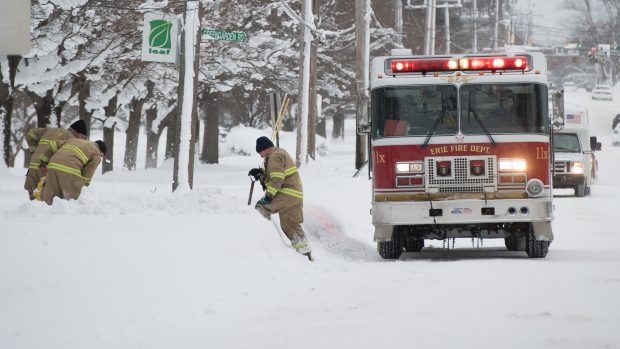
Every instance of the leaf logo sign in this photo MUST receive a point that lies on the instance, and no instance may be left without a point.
(160, 40)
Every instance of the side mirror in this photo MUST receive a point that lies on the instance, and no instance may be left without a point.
(599, 146)
(557, 102)
(363, 128)
(593, 143)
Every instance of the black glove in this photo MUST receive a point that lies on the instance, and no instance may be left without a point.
(266, 200)
(257, 173)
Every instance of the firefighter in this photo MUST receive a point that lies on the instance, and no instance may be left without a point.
(283, 193)
(43, 142)
(71, 168)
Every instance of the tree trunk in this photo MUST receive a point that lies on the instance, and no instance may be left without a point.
(154, 135)
(6, 106)
(338, 127)
(211, 134)
(43, 106)
(133, 127)
(152, 138)
(170, 135)
(133, 132)
(83, 94)
(108, 139)
(108, 135)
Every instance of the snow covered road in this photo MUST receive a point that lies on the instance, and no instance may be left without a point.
(130, 265)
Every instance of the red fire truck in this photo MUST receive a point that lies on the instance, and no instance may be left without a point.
(459, 148)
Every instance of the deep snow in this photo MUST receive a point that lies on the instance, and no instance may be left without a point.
(130, 265)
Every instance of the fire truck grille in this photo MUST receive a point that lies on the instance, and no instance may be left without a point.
(460, 180)
(560, 167)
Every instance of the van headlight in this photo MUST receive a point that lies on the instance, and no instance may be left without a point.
(577, 167)
(512, 165)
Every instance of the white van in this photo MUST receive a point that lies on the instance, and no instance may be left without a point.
(603, 92)
(574, 160)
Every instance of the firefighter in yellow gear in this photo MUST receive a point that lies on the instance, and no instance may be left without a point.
(43, 143)
(283, 193)
(71, 168)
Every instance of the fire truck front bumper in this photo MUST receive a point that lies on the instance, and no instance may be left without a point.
(462, 211)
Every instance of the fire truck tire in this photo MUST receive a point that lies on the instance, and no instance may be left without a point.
(580, 190)
(588, 191)
(536, 248)
(515, 242)
(413, 244)
(390, 249)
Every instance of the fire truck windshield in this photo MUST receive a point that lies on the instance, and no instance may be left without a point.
(399, 111)
(412, 110)
(504, 108)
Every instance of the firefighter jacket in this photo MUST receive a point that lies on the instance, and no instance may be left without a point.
(78, 157)
(44, 142)
(282, 180)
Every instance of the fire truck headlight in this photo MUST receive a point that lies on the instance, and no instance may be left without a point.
(512, 165)
(409, 167)
(577, 167)
(534, 187)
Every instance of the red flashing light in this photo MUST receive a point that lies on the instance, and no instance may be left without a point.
(424, 65)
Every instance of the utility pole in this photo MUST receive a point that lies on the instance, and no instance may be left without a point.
(362, 75)
(447, 27)
(433, 25)
(429, 27)
(495, 37)
(304, 84)
(398, 22)
(183, 171)
(475, 18)
(530, 13)
(312, 116)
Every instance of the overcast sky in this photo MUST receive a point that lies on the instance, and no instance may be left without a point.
(550, 17)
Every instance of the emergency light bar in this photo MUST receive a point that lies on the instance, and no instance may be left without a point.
(423, 65)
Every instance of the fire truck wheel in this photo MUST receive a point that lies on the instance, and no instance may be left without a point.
(390, 249)
(515, 242)
(413, 244)
(580, 190)
(536, 248)
(588, 191)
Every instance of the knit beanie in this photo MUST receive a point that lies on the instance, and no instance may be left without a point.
(263, 143)
(102, 146)
(79, 127)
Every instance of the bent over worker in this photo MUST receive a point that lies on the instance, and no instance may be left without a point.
(43, 142)
(283, 194)
(71, 168)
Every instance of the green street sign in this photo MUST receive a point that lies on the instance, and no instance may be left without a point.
(213, 34)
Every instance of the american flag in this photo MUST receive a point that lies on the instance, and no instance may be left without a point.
(573, 118)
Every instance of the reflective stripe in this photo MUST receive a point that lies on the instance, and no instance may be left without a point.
(292, 192)
(290, 171)
(66, 169)
(271, 190)
(79, 153)
(33, 165)
(32, 135)
(45, 158)
(51, 143)
(302, 246)
(277, 175)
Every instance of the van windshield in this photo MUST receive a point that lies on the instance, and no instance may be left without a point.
(566, 143)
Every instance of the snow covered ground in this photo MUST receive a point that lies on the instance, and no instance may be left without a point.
(131, 265)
